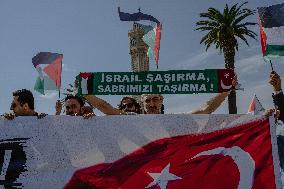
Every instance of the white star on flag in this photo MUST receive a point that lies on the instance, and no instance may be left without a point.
(227, 75)
(162, 179)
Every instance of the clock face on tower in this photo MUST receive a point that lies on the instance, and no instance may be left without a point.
(133, 41)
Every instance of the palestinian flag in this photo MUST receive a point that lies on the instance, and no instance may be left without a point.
(85, 83)
(271, 23)
(123, 16)
(49, 67)
(152, 37)
(255, 107)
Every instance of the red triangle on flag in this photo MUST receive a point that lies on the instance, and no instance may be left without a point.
(255, 106)
(54, 70)
(251, 108)
(85, 75)
(263, 37)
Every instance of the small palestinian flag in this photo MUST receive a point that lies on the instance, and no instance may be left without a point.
(271, 24)
(85, 83)
(255, 107)
(49, 67)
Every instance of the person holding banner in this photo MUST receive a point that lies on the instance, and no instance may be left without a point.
(278, 97)
(74, 106)
(23, 105)
(127, 106)
(153, 103)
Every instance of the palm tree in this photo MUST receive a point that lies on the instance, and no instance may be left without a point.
(223, 31)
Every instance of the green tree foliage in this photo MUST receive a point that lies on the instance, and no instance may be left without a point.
(223, 30)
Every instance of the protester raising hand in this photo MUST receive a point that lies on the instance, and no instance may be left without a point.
(275, 81)
(278, 97)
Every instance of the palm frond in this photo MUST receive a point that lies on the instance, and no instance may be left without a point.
(241, 17)
(204, 28)
(243, 38)
(226, 25)
(233, 9)
(226, 10)
(240, 7)
(246, 24)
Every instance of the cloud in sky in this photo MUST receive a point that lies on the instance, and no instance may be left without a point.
(49, 95)
(67, 68)
(196, 59)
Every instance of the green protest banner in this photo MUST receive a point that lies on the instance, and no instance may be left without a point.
(155, 82)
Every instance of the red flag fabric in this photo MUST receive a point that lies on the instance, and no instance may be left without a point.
(85, 75)
(54, 71)
(225, 79)
(263, 37)
(238, 157)
(157, 42)
(255, 107)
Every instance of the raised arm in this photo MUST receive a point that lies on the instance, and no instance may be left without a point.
(103, 106)
(278, 97)
(212, 104)
(215, 102)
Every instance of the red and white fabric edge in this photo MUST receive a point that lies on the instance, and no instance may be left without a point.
(275, 154)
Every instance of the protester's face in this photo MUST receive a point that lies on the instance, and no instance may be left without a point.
(153, 104)
(87, 110)
(17, 108)
(72, 107)
(127, 105)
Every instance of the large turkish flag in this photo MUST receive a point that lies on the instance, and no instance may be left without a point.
(239, 158)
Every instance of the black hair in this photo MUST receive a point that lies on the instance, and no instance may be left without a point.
(136, 104)
(79, 99)
(25, 96)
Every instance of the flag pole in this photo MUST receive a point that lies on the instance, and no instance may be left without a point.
(271, 65)
(60, 79)
(275, 107)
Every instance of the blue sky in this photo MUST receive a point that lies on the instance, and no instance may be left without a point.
(92, 38)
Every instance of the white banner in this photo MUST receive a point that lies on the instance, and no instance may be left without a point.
(45, 153)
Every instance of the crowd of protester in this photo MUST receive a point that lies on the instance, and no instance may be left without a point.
(23, 104)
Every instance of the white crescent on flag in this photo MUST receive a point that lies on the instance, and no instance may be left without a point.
(226, 87)
(243, 160)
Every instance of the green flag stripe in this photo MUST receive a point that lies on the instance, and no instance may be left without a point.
(39, 85)
(274, 50)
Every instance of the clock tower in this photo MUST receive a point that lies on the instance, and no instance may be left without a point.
(138, 49)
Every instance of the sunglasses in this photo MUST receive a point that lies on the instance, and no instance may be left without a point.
(127, 105)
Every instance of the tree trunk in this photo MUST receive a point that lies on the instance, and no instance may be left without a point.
(229, 56)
